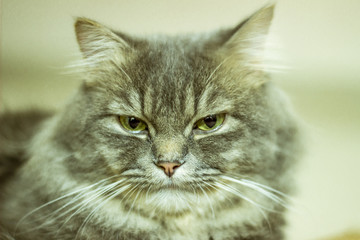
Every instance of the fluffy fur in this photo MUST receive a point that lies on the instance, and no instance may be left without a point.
(78, 174)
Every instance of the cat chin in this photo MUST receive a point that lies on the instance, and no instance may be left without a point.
(162, 204)
(169, 201)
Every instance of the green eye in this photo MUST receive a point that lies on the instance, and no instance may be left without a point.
(132, 124)
(210, 122)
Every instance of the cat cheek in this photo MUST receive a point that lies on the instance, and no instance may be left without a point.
(232, 158)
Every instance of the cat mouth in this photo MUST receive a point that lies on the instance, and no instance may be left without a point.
(172, 186)
(186, 187)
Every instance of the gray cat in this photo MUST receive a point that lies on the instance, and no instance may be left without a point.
(167, 138)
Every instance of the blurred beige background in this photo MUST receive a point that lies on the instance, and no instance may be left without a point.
(316, 42)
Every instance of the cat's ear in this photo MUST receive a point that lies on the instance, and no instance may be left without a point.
(247, 41)
(98, 43)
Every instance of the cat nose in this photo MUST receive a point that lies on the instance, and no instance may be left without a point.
(168, 167)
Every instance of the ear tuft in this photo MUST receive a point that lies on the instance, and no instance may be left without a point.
(247, 43)
(98, 41)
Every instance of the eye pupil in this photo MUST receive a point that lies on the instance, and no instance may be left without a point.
(133, 122)
(210, 121)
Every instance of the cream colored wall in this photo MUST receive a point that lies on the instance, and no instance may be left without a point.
(317, 41)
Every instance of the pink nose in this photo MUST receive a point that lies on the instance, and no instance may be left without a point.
(169, 167)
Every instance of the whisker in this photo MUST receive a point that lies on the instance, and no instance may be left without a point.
(85, 195)
(267, 187)
(234, 191)
(92, 213)
(195, 193)
(208, 199)
(264, 190)
(132, 205)
(252, 186)
(78, 191)
(147, 194)
(246, 180)
(98, 192)
(215, 188)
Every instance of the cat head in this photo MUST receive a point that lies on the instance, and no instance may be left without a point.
(171, 118)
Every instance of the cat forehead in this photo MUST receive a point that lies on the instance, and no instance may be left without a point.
(168, 54)
(173, 74)
(170, 76)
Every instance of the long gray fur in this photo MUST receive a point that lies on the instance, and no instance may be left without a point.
(77, 174)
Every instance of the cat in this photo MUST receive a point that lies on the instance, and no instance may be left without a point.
(167, 138)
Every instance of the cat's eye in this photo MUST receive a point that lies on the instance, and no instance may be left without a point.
(132, 124)
(210, 122)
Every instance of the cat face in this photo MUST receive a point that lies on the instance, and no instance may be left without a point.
(170, 120)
